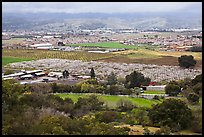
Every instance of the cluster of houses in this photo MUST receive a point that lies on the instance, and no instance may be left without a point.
(24, 75)
(38, 76)
(50, 41)
(167, 43)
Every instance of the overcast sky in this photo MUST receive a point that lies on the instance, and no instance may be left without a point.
(102, 7)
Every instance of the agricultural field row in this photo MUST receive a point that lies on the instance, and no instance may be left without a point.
(13, 41)
(42, 54)
(140, 55)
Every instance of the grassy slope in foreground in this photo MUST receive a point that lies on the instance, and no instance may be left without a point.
(111, 100)
(105, 45)
(7, 60)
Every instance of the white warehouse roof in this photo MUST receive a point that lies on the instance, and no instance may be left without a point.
(41, 45)
(27, 76)
(48, 47)
(13, 75)
(33, 71)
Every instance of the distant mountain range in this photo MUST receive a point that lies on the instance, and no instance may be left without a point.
(66, 21)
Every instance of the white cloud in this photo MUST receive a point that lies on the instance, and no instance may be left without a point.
(105, 7)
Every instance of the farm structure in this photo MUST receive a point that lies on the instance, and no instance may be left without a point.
(39, 76)
(42, 46)
(24, 74)
(156, 87)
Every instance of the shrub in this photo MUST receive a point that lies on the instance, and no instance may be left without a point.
(197, 79)
(156, 97)
(40, 88)
(164, 130)
(147, 131)
(125, 105)
(172, 89)
(141, 116)
(193, 98)
(107, 116)
(198, 89)
(197, 121)
(8, 71)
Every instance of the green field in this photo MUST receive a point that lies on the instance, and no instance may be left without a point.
(7, 60)
(105, 45)
(111, 100)
(153, 92)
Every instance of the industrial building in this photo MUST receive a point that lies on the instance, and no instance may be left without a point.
(42, 46)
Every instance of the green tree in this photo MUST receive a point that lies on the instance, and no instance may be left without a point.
(112, 80)
(186, 92)
(193, 98)
(50, 125)
(106, 116)
(113, 90)
(11, 91)
(125, 105)
(107, 129)
(172, 89)
(34, 100)
(40, 88)
(91, 81)
(92, 73)
(171, 112)
(156, 97)
(141, 116)
(197, 79)
(85, 88)
(186, 61)
(136, 79)
(197, 120)
(185, 83)
(85, 105)
(197, 89)
(55, 88)
(65, 74)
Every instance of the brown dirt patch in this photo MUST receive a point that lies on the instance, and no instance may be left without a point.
(165, 60)
(138, 129)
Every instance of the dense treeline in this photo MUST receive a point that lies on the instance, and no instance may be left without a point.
(39, 113)
(33, 109)
(90, 86)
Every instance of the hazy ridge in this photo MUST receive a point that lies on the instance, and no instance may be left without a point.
(140, 21)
